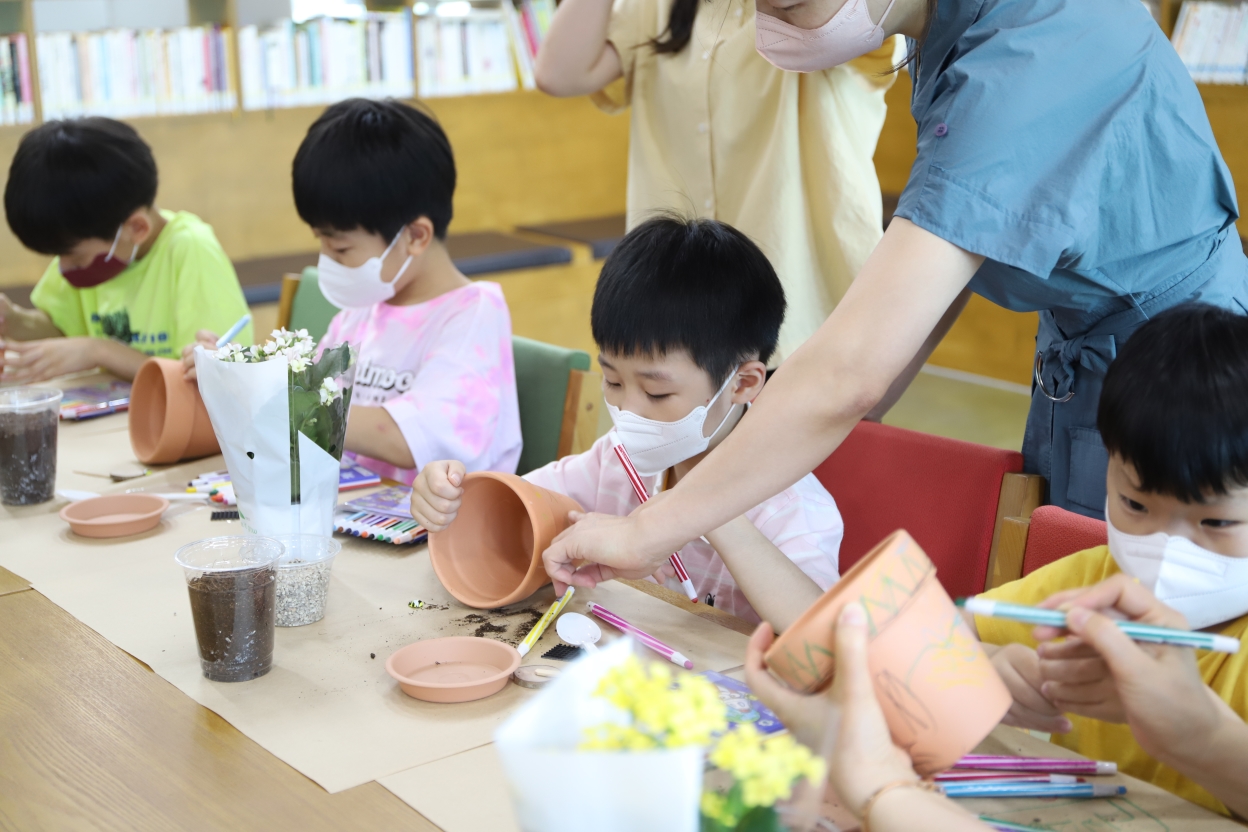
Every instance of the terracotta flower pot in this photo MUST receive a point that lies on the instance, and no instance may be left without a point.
(168, 421)
(491, 556)
(937, 686)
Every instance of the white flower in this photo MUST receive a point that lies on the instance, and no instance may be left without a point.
(329, 391)
(298, 363)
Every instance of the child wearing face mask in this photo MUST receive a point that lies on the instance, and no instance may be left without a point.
(128, 280)
(686, 314)
(1173, 414)
(434, 375)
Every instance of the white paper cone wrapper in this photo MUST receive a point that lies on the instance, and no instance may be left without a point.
(556, 788)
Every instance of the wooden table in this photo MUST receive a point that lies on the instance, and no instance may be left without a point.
(92, 739)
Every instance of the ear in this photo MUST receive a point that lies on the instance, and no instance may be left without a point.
(139, 226)
(420, 236)
(748, 382)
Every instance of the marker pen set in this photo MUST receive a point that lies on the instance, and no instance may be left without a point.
(379, 527)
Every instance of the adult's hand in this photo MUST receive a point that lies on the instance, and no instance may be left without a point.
(1158, 689)
(595, 549)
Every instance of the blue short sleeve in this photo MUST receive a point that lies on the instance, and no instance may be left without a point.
(1061, 139)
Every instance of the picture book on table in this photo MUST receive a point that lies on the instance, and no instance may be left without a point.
(742, 705)
(100, 398)
(395, 501)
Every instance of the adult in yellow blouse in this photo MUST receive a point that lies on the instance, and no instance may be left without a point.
(717, 131)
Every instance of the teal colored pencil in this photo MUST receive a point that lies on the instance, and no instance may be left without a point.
(1032, 789)
(1139, 632)
(1006, 826)
(234, 330)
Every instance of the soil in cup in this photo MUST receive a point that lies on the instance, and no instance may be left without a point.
(27, 457)
(234, 614)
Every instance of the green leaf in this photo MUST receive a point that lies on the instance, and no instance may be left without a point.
(760, 819)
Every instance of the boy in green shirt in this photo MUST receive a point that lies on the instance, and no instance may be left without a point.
(129, 281)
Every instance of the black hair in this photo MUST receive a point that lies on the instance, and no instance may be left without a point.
(913, 56)
(375, 165)
(77, 180)
(679, 28)
(693, 284)
(1175, 402)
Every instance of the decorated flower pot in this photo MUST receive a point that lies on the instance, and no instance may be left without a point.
(168, 420)
(937, 686)
(491, 556)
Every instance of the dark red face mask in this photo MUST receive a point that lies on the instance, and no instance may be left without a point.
(100, 270)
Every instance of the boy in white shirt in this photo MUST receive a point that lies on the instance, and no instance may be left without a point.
(686, 314)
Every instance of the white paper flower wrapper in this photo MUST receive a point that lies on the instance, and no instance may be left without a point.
(556, 788)
(249, 405)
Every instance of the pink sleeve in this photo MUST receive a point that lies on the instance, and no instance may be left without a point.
(805, 524)
(578, 476)
(334, 334)
(453, 409)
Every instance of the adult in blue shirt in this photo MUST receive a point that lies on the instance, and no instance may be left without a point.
(1065, 164)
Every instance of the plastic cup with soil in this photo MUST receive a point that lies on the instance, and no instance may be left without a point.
(303, 577)
(232, 582)
(28, 423)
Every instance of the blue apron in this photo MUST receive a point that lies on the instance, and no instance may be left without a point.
(1065, 142)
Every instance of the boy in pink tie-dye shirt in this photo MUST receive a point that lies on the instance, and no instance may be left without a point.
(686, 315)
(434, 376)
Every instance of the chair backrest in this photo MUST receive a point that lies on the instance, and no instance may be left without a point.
(944, 492)
(1055, 533)
(542, 372)
(309, 309)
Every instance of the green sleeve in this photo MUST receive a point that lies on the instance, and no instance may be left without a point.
(60, 301)
(208, 294)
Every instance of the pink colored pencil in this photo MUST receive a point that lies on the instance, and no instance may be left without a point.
(991, 762)
(643, 495)
(642, 636)
(962, 776)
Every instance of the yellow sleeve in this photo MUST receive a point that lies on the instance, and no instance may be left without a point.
(60, 301)
(877, 66)
(627, 34)
(208, 294)
(1081, 569)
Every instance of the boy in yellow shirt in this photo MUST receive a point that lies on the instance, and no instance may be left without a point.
(129, 281)
(1173, 415)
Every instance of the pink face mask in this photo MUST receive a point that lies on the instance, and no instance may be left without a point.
(849, 34)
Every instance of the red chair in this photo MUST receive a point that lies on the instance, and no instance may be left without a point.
(1054, 533)
(951, 496)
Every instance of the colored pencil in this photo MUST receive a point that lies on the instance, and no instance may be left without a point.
(544, 621)
(963, 776)
(234, 330)
(1032, 789)
(640, 489)
(641, 635)
(1006, 826)
(1139, 632)
(1035, 765)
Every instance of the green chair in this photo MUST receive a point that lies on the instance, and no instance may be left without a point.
(549, 382)
(560, 399)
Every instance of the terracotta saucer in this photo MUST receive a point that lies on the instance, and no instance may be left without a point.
(116, 515)
(454, 669)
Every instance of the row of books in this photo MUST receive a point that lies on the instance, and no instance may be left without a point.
(475, 49)
(16, 91)
(1212, 41)
(324, 60)
(128, 72)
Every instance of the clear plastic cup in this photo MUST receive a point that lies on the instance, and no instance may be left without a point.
(303, 577)
(28, 422)
(232, 582)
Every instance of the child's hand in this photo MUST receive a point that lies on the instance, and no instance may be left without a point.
(1019, 667)
(203, 338)
(48, 358)
(436, 494)
(1157, 689)
(1075, 678)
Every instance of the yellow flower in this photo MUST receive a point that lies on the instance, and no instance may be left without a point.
(765, 767)
(669, 712)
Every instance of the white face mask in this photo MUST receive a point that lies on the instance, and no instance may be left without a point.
(656, 446)
(348, 288)
(1206, 587)
(849, 34)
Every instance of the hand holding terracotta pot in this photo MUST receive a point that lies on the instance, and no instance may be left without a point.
(491, 555)
(937, 686)
(168, 420)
